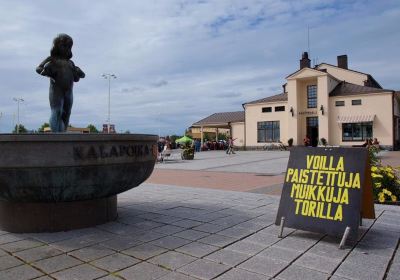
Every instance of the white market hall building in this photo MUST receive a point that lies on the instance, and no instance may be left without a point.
(344, 106)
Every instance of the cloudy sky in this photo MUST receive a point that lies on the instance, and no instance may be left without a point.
(178, 61)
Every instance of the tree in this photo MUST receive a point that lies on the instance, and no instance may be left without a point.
(22, 129)
(222, 136)
(174, 137)
(208, 136)
(44, 125)
(92, 128)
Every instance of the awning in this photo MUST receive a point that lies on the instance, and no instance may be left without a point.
(184, 139)
(356, 119)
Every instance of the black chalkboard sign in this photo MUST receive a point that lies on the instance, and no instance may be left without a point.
(327, 190)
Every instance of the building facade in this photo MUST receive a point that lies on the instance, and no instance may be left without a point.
(343, 106)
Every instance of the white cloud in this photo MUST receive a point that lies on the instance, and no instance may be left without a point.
(178, 61)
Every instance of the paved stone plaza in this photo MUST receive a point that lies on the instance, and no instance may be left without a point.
(261, 162)
(168, 232)
(178, 232)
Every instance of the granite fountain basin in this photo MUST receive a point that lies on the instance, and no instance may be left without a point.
(61, 181)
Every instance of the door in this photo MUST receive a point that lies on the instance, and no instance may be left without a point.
(312, 130)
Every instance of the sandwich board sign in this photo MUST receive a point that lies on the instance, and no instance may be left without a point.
(327, 190)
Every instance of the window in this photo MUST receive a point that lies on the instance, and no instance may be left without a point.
(312, 96)
(266, 109)
(356, 102)
(268, 132)
(339, 103)
(279, 108)
(356, 131)
(312, 122)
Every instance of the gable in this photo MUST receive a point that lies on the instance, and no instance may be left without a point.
(347, 75)
(305, 73)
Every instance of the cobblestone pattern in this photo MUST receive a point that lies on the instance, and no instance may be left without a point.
(166, 232)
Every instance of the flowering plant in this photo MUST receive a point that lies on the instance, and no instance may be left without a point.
(385, 179)
(386, 183)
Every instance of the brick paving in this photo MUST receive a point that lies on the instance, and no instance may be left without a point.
(200, 233)
(245, 182)
(250, 171)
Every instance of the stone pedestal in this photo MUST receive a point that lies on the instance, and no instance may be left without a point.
(24, 217)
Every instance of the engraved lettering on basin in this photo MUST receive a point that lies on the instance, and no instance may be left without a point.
(110, 151)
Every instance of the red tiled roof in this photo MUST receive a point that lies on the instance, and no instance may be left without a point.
(345, 88)
(342, 89)
(273, 98)
(222, 118)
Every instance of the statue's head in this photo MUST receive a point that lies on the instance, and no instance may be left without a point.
(62, 46)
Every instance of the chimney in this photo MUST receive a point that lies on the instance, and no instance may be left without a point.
(342, 61)
(305, 61)
(284, 88)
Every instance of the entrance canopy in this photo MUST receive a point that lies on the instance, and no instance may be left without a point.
(222, 120)
(356, 119)
(218, 122)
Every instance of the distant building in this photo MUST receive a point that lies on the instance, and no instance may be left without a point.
(70, 130)
(105, 128)
(78, 130)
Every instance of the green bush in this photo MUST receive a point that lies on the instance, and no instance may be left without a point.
(373, 156)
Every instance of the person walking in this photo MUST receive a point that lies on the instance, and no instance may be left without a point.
(307, 141)
(230, 146)
(196, 145)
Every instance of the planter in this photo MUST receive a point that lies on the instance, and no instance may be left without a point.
(188, 154)
(53, 182)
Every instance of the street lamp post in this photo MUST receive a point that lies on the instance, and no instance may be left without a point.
(108, 77)
(18, 100)
(159, 124)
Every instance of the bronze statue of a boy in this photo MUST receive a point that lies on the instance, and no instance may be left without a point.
(62, 73)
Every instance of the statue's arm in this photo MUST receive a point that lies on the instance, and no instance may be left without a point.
(40, 69)
(78, 73)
